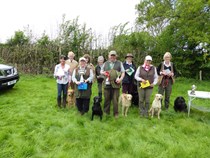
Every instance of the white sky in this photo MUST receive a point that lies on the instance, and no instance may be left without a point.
(45, 15)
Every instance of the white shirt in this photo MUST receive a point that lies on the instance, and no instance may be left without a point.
(62, 74)
(90, 78)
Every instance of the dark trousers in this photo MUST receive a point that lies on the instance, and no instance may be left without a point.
(127, 88)
(100, 84)
(82, 105)
(167, 91)
(62, 88)
(111, 94)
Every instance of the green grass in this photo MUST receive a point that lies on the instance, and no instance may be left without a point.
(32, 126)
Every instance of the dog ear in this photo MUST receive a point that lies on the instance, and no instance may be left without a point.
(183, 99)
(124, 95)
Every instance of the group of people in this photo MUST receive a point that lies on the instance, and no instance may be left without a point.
(110, 76)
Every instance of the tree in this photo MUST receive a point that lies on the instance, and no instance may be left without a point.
(18, 39)
(73, 36)
(181, 27)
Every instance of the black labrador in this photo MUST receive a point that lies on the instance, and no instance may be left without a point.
(180, 105)
(96, 109)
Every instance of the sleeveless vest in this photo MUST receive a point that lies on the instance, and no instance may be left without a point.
(114, 73)
(147, 75)
(83, 93)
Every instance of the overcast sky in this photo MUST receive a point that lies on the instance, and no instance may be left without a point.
(45, 15)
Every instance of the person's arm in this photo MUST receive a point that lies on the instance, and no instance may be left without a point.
(90, 78)
(102, 72)
(175, 70)
(118, 80)
(137, 74)
(74, 78)
(55, 71)
(159, 69)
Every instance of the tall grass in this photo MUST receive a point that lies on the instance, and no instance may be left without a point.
(32, 126)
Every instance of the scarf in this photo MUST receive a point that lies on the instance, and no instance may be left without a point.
(146, 67)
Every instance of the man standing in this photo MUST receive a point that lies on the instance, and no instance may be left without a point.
(114, 73)
(73, 64)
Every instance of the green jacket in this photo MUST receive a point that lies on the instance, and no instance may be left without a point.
(114, 73)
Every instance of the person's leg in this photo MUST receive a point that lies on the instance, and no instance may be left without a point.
(147, 100)
(100, 89)
(161, 90)
(72, 85)
(125, 88)
(79, 104)
(59, 89)
(130, 88)
(168, 93)
(65, 89)
(86, 104)
(107, 100)
(116, 93)
(141, 93)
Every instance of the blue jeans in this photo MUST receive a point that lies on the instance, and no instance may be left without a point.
(62, 88)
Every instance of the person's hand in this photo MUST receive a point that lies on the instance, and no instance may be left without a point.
(163, 72)
(152, 85)
(118, 80)
(171, 74)
(143, 81)
(78, 82)
(59, 77)
(86, 81)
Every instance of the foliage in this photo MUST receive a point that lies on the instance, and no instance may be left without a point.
(75, 37)
(18, 39)
(137, 43)
(32, 126)
(181, 27)
(39, 56)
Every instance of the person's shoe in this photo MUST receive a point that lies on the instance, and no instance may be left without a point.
(116, 116)
(141, 114)
(59, 103)
(82, 113)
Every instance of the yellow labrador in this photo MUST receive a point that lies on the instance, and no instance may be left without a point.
(156, 105)
(125, 100)
(71, 98)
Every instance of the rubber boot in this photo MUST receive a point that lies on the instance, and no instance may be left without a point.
(64, 100)
(59, 102)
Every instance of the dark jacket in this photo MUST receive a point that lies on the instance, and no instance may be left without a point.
(127, 78)
(162, 66)
(97, 71)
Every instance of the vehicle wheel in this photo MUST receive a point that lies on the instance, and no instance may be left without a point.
(11, 86)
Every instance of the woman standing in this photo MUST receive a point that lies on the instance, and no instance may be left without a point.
(128, 80)
(166, 71)
(82, 76)
(62, 74)
(99, 77)
(146, 76)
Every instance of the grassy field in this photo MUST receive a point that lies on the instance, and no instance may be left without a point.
(32, 126)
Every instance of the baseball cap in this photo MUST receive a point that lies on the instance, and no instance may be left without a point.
(148, 57)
